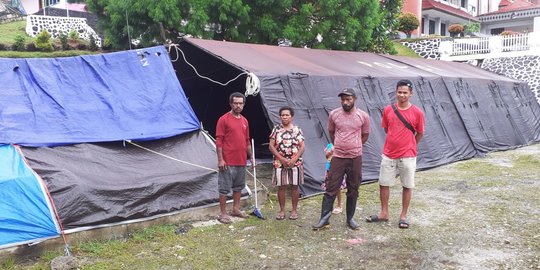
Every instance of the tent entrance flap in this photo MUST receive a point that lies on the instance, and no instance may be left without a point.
(210, 100)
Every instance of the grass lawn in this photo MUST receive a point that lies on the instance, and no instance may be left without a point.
(480, 213)
(404, 50)
(11, 29)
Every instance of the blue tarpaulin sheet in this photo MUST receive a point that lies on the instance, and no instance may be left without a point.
(25, 214)
(94, 98)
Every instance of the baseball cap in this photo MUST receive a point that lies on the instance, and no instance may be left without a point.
(347, 92)
(404, 82)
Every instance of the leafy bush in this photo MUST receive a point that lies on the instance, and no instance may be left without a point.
(64, 41)
(408, 22)
(3, 47)
(73, 34)
(471, 28)
(19, 44)
(43, 41)
(106, 44)
(93, 45)
(455, 29)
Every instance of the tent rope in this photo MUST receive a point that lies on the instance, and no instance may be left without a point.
(252, 81)
(169, 157)
(62, 232)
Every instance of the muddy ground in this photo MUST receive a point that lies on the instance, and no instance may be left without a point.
(482, 213)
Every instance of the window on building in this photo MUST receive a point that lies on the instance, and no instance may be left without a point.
(443, 29)
(496, 31)
(463, 3)
(431, 27)
(422, 30)
(51, 2)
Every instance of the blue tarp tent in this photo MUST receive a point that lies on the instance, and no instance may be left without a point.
(25, 212)
(92, 98)
(111, 136)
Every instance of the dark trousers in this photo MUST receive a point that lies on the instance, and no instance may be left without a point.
(339, 167)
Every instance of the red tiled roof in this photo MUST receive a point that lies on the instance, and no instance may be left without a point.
(507, 6)
(430, 4)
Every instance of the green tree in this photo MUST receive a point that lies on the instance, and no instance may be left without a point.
(408, 23)
(149, 20)
(390, 11)
(228, 19)
(344, 25)
(267, 21)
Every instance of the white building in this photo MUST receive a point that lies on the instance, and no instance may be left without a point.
(495, 16)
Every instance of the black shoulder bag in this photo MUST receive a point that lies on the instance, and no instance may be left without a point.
(407, 125)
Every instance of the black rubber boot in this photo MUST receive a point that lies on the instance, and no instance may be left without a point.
(351, 208)
(326, 213)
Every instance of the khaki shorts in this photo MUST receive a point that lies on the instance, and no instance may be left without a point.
(392, 168)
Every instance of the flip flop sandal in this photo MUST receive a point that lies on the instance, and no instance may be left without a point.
(376, 218)
(240, 214)
(280, 217)
(225, 219)
(293, 217)
(403, 224)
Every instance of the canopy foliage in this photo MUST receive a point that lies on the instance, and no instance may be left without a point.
(328, 24)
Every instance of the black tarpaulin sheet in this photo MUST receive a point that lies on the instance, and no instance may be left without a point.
(102, 183)
(468, 111)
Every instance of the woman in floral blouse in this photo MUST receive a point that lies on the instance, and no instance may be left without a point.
(287, 145)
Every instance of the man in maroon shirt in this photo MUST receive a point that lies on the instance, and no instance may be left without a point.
(400, 150)
(349, 129)
(232, 146)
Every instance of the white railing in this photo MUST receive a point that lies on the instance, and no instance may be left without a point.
(470, 46)
(489, 47)
(515, 43)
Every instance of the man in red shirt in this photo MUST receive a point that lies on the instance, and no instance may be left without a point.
(349, 129)
(232, 146)
(400, 150)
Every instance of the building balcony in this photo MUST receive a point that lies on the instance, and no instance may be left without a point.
(490, 47)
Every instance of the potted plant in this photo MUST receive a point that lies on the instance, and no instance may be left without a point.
(455, 29)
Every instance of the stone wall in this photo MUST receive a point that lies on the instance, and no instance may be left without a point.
(523, 68)
(56, 25)
(427, 48)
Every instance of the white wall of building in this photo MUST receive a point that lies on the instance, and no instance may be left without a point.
(486, 6)
(521, 26)
(32, 6)
(536, 25)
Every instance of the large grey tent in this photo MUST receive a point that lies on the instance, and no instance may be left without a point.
(468, 111)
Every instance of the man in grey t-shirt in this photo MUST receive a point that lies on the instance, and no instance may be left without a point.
(349, 129)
